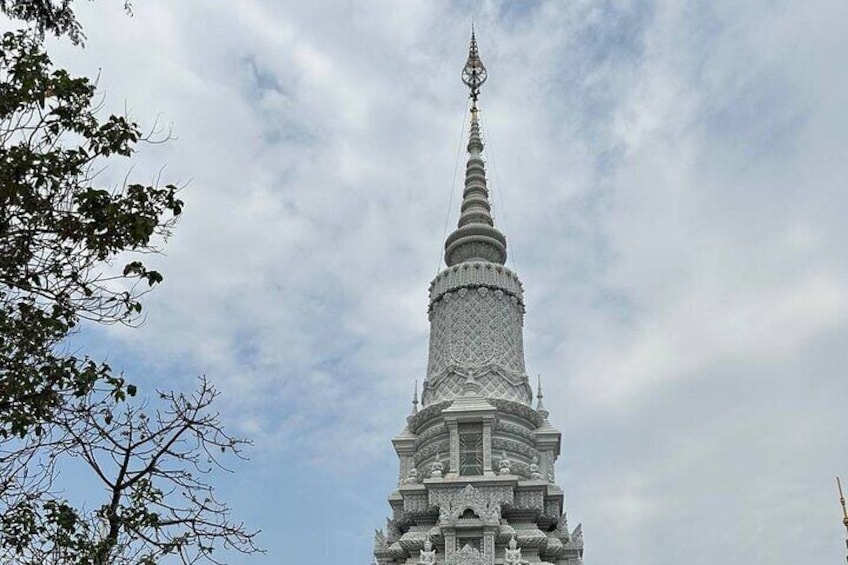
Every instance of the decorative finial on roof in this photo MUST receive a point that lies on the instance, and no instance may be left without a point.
(475, 238)
(415, 399)
(540, 406)
(474, 73)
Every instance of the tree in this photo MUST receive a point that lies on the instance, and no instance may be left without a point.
(56, 17)
(70, 252)
(150, 462)
(60, 234)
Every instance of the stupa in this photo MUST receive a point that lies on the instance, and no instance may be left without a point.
(477, 481)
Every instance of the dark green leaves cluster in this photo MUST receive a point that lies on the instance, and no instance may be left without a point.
(46, 15)
(49, 16)
(60, 232)
(54, 526)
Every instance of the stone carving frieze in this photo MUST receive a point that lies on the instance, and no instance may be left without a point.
(454, 449)
(396, 551)
(549, 519)
(474, 250)
(413, 540)
(402, 519)
(553, 547)
(485, 502)
(478, 372)
(521, 469)
(467, 556)
(494, 380)
(515, 429)
(431, 432)
(489, 552)
(530, 536)
(475, 274)
(561, 528)
(503, 444)
(431, 450)
(432, 410)
(505, 532)
(393, 532)
(529, 500)
(552, 509)
(416, 503)
(517, 409)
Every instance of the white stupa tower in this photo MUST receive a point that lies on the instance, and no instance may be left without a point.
(477, 482)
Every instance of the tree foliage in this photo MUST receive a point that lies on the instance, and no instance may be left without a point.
(71, 251)
(60, 234)
(49, 16)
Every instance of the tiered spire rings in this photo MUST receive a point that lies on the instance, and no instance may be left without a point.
(476, 238)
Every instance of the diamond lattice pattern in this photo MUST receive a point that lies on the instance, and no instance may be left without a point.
(476, 326)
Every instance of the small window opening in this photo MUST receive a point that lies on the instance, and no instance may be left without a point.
(471, 449)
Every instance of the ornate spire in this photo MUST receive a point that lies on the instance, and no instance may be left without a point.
(540, 407)
(415, 399)
(474, 73)
(475, 238)
(451, 454)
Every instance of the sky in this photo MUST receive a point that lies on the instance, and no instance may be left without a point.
(670, 178)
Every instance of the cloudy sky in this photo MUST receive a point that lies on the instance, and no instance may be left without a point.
(670, 177)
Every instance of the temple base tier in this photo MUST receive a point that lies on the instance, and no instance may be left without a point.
(477, 487)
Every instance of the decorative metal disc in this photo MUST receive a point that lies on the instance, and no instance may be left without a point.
(474, 73)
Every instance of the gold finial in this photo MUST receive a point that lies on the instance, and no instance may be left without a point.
(842, 502)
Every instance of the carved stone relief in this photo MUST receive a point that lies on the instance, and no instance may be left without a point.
(494, 380)
(529, 500)
(433, 410)
(517, 409)
(430, 451)
(485, 502)
(552, 508)
(503, 444)
(416, 503)
(468, 556)
(515, 429)
(489, 547)
(474, 327)
(431, 432)
(473, 274)
(454, 447)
